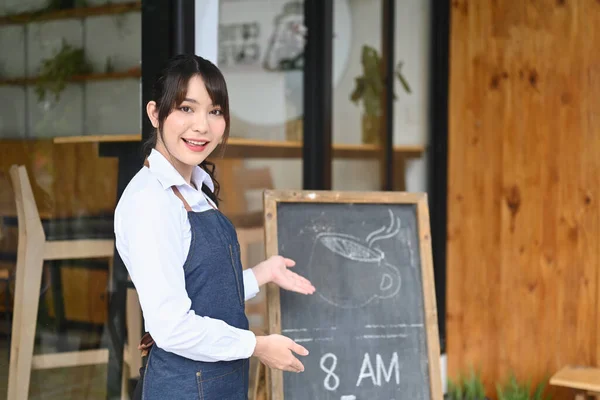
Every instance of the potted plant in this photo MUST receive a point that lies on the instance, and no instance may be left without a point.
(513, 390)
(369, 89)
(466, 388)
(57, 70)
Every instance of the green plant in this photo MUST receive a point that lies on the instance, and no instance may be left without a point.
(513, 390)
(370, 85)
(466, 388)
(57, 70)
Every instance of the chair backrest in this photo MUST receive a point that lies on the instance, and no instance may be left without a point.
(250, 180)
(28, 217)
(254, 178)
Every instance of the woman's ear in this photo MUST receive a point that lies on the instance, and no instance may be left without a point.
(152, 112)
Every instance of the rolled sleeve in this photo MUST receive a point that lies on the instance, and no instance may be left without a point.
(251, 288)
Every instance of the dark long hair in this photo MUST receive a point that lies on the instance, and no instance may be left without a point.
(169, 91)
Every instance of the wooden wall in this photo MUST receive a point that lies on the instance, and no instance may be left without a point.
(524, 188)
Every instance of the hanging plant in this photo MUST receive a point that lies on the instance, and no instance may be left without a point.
(370, 85)
(369, 88)
(56, 71)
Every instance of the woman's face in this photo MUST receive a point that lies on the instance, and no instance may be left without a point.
(193, 129)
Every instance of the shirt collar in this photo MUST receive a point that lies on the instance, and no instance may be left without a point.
(168, 176)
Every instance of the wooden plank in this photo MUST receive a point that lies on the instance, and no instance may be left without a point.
(134, 73)
(79, 12)
(97, 138)
(78, 249)
(253, 148)
(429, 300)
(327, 196)
(274, 377)
(70, 359)
(582, 378)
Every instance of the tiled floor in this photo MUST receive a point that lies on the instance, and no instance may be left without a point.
(77, 383)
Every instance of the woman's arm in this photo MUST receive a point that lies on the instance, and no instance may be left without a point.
(149, 239)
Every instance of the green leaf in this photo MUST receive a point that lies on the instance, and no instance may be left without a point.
(359, 90)
(403, 81)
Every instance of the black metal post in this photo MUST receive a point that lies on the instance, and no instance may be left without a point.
(318, 62)
(388, 17)
(130, 160)
(438, 150)
(157, 47)
(183, 27)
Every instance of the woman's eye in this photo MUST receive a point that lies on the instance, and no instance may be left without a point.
(185, 109)
(217, 112)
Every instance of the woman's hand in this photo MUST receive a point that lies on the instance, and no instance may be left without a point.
(275, 351)
(276, 270)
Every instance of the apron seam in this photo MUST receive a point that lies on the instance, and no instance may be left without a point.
(237, 280)
(146, 374)
(221, 376)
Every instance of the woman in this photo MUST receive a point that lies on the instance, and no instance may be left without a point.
(183, 256)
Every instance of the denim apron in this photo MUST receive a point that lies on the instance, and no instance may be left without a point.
(214, 283)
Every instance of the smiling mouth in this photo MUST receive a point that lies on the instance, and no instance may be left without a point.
(196, 146)
(195, 142)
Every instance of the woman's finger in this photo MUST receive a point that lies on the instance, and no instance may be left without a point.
(297, 365)
(304, 280)
(300, 280)
(289, 262)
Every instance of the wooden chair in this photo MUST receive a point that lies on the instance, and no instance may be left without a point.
(33, 250)
(250, 225)
(250, 230)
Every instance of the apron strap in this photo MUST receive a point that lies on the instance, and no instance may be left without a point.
(178, 194)
(175, 190)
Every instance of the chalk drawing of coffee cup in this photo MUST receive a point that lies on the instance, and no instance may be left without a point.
(350, 274)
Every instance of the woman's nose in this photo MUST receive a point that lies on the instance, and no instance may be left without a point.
(201, 125)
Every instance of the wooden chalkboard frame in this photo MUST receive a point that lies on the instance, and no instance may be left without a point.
(272, 197)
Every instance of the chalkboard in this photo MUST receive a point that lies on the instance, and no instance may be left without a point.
(371, 327)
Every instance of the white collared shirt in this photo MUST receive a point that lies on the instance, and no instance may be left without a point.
(153, 237)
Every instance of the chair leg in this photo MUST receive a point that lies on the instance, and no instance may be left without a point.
(124, 385)
(27, 288)
(7, 315)
(59, 305)
(134, 332)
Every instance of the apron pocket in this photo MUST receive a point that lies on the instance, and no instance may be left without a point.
(238, 279)
(228, 382)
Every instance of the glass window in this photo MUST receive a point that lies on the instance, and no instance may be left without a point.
(67, 72)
